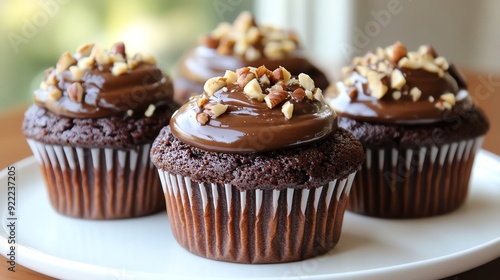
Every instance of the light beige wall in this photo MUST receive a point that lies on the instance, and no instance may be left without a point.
(466, 32)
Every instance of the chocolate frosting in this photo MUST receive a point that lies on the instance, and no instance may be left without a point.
(202, 63)
(243, 43)
(105, 93)
(249, 125)
(354, 97)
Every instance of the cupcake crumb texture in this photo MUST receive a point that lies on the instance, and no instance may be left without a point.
(244, 38)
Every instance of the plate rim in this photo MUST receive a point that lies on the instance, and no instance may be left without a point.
(55, 266)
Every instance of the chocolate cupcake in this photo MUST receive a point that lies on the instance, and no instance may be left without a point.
(419, 127)
(91, 128)
(244, 43)
(255, 170)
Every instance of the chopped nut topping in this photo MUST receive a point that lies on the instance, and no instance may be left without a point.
(119, 49)
(378, 89)
(441, 62)
(431, 98)
(76, 72)
(306, 82)
(51, 80)
(318, 94)
(119, 68)
(415, 94)
(275, 97)
(396, 52)
(202, 101)
(287, 110)
(244, 76)
(202, 118)
(309, 94)
(100, 56)
(443, 105)
(396, 95)
(298, 95)
(65, 61)
(85, 63)
(150, 110)
(218, 109)
(410, 64)
(85, 50)
(54, 94)
(130, 112)
(253, 90)
(131, 63)
(448, 97)
(75, 92)
(213, 85)
(397, 79)
(244, 38)
(264, 86)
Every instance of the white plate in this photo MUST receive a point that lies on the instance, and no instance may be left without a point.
(144, 248)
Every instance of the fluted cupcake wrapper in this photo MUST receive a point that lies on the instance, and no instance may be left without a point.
(218, 221)
(412, 183)
(100, 183)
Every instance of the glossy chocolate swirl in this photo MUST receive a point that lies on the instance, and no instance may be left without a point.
(393, 86)
(249, 125)
(99, 84)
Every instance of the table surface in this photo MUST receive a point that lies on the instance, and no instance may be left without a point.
(484, 88)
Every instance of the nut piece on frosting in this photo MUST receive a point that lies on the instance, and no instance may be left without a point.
(260, 85)
(384, 75)
(244, 38)
(72, 68)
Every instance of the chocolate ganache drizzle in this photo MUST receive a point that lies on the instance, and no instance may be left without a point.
(254, 110)
(400, 87)
(95, 83)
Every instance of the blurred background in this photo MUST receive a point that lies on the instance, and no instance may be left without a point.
(35, 32)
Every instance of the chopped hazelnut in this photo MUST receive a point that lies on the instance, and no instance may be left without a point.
(253, 90)
(150, 110)
(218, 109)
(76, 72)
(448, 97)
(275, 97)
(75, 92)
(119, 68)
(287, 110)
(65, 61)
(213, 85)
(230, 77)
(415, 93)
(306, 82)
(396, 95)
(397, 79)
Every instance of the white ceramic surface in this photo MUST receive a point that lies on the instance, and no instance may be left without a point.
(144, 248)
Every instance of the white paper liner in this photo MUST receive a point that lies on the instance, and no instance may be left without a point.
(99, 183)
(220, 222)
(412, 183)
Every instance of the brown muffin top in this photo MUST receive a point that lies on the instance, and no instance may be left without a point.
(304, 167)
(111, 132)
(462, 126)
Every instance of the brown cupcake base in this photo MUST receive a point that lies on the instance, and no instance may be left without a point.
(414, 183)
(99, 183)
(218, 221)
